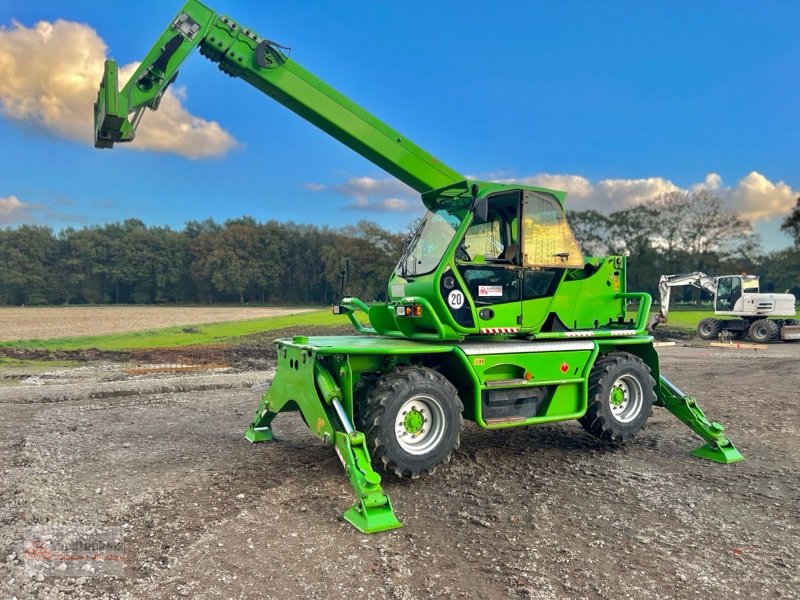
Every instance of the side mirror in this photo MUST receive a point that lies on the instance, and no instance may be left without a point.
(481, 209)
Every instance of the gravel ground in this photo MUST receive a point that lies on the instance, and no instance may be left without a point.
(542, 512)
(29, 323)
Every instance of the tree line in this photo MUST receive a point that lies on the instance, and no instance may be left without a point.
(683, 232)
(243, 261)
(239, 261)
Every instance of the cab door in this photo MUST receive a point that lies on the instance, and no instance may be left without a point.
(729, 290)
(548, 249)
(489, 261)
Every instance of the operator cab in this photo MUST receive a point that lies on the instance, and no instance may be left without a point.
(519, 252)
(730, 289)
(488, 254)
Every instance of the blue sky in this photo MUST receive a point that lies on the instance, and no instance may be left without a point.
(615, 102)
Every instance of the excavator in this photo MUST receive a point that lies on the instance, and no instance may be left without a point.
(493, 315)
(735, 296)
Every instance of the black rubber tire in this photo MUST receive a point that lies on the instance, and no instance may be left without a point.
(708, 329)
(379, 417)
(763, 331)
(623, 371)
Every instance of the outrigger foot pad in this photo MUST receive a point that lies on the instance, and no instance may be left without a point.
(722, 454)
(718, 447)
(254, 435)
(372, 519)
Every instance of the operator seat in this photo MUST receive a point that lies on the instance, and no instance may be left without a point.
(510, 253)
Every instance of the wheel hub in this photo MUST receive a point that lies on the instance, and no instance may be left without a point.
(420, 424)
(626, 398)
(413, 421)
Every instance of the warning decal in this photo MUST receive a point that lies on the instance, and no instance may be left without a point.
(490, 290)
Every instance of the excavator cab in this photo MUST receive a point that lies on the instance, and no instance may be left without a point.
(729, 291)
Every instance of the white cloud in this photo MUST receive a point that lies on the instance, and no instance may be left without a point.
(754, 196)
(12, 210)
(378, 195)
(49, 75)
(577, 186)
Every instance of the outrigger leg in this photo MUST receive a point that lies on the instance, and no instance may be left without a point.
(718, 447)
(303, 384)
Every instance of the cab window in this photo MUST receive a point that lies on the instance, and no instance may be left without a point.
(547, 240)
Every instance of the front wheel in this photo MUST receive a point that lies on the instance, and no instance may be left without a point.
(621, 396)
(708, 329)
(764, 330)
(412, 421)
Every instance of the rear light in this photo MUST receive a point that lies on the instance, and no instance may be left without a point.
(411, 310)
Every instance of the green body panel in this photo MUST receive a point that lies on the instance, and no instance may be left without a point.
(559, 366)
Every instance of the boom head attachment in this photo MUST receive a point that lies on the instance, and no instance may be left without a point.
(111, 123)
(117, 112)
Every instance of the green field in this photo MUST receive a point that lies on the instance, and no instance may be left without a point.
(228, 333)
(686, 319)
(192, 335)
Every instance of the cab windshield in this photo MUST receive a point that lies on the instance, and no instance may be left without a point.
(425, 249)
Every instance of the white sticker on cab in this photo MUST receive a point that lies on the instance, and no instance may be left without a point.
(490, 290)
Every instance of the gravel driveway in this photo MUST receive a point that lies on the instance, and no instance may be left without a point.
(542, 512)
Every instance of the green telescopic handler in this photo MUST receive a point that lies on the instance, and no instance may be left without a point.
(493, 314)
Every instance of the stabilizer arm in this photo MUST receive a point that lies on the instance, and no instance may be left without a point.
(718, 447)
(302, 383)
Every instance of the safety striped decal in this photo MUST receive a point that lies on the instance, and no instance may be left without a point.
(495, 330)
(618, 332)
(517, 347)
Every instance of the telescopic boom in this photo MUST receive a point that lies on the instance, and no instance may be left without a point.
(240, 52)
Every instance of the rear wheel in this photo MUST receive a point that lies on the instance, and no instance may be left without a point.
(708, 329)
(764, 330)
(412, 420)
(621, 397)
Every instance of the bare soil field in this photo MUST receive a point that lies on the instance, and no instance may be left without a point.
(64, 321)
(545, 512)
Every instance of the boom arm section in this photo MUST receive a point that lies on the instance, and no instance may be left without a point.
(265, 65)
(667, 282)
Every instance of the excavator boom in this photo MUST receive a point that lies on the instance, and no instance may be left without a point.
(240, 52)
(667, 282)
